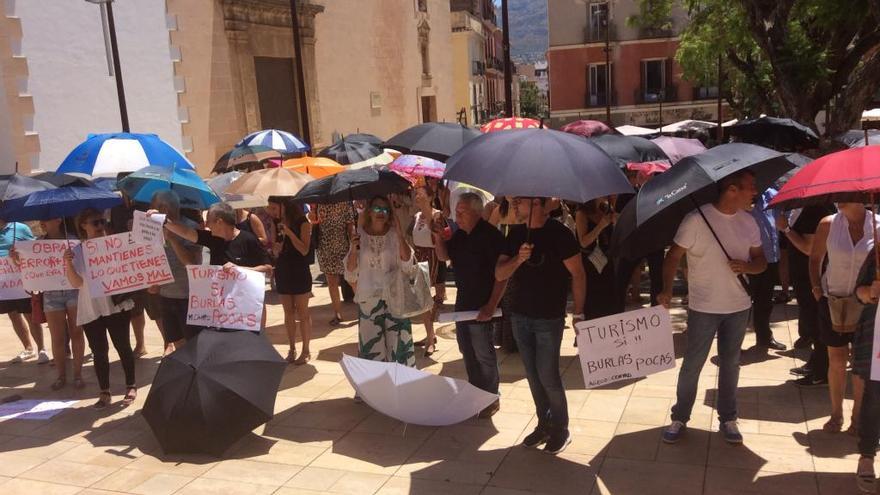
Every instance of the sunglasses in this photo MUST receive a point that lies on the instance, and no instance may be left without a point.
(381, 209)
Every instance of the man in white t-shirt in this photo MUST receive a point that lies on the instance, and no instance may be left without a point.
(719, 302)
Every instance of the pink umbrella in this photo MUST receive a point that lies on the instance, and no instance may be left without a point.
(647, 169)
(677, 148)
(586, 128)
(418, 165)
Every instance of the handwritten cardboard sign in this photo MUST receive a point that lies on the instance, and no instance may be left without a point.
(115, 264)
(10, 281)
(148, 229)
(222, 298)
(42, 264)
(624, 346)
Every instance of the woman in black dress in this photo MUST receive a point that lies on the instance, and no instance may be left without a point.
(293, 278)
(594, 221)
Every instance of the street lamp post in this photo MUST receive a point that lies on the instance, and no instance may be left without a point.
(300, 74)
(508, 72)
(107, 7)
(608, 90)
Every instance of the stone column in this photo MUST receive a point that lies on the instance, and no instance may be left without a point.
(307, 13)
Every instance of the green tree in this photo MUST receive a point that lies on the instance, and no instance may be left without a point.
(529, 100)
(790, 58)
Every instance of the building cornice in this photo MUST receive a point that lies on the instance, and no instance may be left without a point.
(601, 44)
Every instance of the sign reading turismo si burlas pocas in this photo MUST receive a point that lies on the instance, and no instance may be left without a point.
(115, 264)
(225, 298)
(10, 281)
(624, 346)
(42, 264)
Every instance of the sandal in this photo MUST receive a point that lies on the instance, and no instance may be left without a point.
(78, 383)
(423, 342)
(139, 353)
(59, 383)
(833, 425)
(291, 355)
(130, 396)
(303, 358)
(335, 322)
(102, 401)
(430, 349)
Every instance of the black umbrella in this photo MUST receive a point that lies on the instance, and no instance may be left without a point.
(363, 137)
(649, 221)
(352, 184)
(774, 132)
(213, 391)
(434, 140)
(13, 186)
(347, 151)
(798, 160)
(856, 138)
(629, 149)
(63, 180)
(537, 163)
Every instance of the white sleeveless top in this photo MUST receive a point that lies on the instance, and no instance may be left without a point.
(845, 259)
(422, 232)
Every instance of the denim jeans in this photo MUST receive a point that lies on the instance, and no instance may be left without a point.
(478, 351)
(539, 341)
(701, 330)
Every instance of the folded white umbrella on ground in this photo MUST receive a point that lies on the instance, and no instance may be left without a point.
(412, 396)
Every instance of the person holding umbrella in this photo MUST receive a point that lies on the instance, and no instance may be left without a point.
(722, 243)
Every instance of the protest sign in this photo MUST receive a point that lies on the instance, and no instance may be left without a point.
(148, 229)
(10, 281)
(225, 298)
(115, 264)
(42, 264)
(627, 345)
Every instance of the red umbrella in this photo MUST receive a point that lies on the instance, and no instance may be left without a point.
(510, 123)
(586, 128)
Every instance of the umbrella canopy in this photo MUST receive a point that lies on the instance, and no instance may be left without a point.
(418, 165)
(851, 175)
(586, 128)
(282, 141)
(434, 139)
(413, 396)
(58, 203)
(689, 125)
(106, 155)
(632, 130)
(856, 138)
(649, 221)
(62, 180)
(317, 167)
(213, 391)
(384, 159)
(269, 182)
(352, 184)
(677, 148)
(106, 183)
(244, 155)
(347, 151)
(14, 186)
(194, 193)
(363, 137)
(538, 163)
(774, 132)
(510, 123)
(221, 183)
(629, 149)
(798, 160)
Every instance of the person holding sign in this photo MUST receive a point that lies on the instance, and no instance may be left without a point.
(719, 302)
(540, 256)
(19, 310)
(101, 315)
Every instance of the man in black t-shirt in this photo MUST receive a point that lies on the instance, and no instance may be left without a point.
(474, 250)
(542, 256)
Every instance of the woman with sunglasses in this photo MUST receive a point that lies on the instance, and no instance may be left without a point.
(101, 315)
(377, 251)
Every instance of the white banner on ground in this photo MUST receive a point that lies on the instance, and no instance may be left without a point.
(42, 264)
(10, 281)
(34, 409)
(225, 298)
(148, 230)
(624, 346)
(115, 264)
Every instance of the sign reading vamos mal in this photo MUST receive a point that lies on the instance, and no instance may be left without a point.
(115, 264)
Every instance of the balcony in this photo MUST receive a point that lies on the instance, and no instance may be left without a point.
(600, 99)
(596, 34)
(705, 93)
(655, 95)
(478, 69)
(649, 32)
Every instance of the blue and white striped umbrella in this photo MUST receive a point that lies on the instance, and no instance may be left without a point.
(282, 141)
(106, 155)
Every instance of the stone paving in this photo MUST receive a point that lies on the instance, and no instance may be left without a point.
(321, 441)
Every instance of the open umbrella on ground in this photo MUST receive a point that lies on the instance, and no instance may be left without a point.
(62, 180)
(242, 156)
(283, 141)
(413, 396)
(856, 138)
(348, 150)
(352, 184)
(677, 148)
(418, 165)
(194, 193)
(538, 163)
(774, 132)
(649, 221)
(213, 391)
(58, 203)
(106, 155)
(434, 139)
(509, 123)
(629, 149)
(632, 130)
(269, 182)
(317, 167)
(586, 128)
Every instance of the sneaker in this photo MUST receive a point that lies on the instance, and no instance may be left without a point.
(811, 382)
(731, 432)
(673, 432)
(43, 357)
(557, 443)
(866, 480)
(490, 410)
(23, 356)
(535, 438)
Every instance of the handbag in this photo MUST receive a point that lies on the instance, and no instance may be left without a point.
(845, 313)
(409, 292)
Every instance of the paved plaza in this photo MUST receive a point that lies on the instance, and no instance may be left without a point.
(321, 441)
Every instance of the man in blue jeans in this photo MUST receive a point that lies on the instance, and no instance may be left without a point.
(719, 302)
(543, 256)
(474, 249)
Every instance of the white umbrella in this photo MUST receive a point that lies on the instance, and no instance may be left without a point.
(634, 130)
(383, 159)
(412, 396)
(688, 125)
(873, 114)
